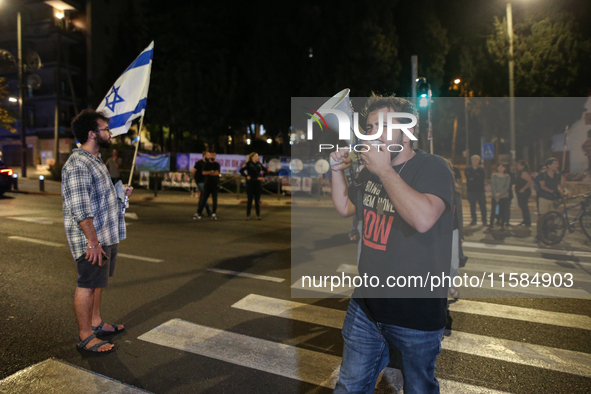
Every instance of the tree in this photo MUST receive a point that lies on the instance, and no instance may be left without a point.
(549, 54)
(6, 120)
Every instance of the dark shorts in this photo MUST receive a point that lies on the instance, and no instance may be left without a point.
(92, 276)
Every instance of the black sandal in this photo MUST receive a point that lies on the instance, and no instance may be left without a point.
(81, 345)
(98, 330)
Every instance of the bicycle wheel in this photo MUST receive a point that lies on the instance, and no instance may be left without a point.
(585, 221)
(551, 228)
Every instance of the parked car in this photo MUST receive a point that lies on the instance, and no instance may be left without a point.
(5, 178)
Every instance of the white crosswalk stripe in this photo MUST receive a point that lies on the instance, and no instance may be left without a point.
(500, 349)
(514, 248)
(523, 314)
(517, 259)
(53, 376)
(284, 360)
(276, 358)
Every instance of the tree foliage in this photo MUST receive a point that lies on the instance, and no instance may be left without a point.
(549, 55)
(6, 119)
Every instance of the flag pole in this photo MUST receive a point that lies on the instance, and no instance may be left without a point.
(139, 136)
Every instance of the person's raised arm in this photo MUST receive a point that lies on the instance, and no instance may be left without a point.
(340, 189)
(419, 210)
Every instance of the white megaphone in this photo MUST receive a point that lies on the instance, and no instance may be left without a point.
(342, 103)
(339, 102)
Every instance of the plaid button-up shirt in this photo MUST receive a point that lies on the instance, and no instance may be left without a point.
(88, 192)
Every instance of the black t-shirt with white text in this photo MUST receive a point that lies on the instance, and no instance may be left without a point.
(392, 247)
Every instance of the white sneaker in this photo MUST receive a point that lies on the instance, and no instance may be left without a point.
(214, 217)
(196, 217)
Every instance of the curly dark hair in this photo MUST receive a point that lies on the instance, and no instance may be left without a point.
(86, 121)
(398, 104)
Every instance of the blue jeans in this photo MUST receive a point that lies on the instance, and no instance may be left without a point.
(367, 351)
(201, 188)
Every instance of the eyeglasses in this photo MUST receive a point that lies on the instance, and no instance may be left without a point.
(108, 130)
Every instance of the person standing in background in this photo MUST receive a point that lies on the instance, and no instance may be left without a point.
(523, 182)
(475, 176)
(500, 184)
(197, 173)
(113, 163)
(211, 171)
(254, 172)
(551, 184)
(587, 149)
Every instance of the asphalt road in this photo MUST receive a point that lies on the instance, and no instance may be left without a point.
(193, 327)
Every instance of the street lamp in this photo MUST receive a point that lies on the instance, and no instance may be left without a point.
(511, 82)
(21, 89)
(464, 91)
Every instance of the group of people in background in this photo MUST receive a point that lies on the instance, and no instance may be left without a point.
(506, 185)
(207, 177)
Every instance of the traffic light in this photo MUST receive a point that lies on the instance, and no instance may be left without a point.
(424, 92)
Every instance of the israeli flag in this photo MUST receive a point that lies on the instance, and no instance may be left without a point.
(127, 98)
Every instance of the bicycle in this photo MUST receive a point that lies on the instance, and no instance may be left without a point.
(552, 225)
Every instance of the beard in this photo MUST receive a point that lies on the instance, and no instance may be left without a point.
(393, 155)
(102, 143)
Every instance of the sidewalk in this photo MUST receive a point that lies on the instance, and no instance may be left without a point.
(30, 185)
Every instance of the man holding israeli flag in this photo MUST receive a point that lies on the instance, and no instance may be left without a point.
(94, 208)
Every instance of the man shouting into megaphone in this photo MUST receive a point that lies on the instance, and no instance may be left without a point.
(405, 199)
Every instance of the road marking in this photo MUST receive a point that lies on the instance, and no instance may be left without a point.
(246, 275)
(55, 376)
(36, 220)
(560, 360)
(449, 386)
(292, 310)
(514, 223)
(35, 241)
(521, 259)
(131, 215)
(333, 318)
(514, 248)
(523, 314)
(277, 358)
(131, 256)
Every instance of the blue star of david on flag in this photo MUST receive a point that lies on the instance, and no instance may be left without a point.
(116, 99)
(127, 98)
